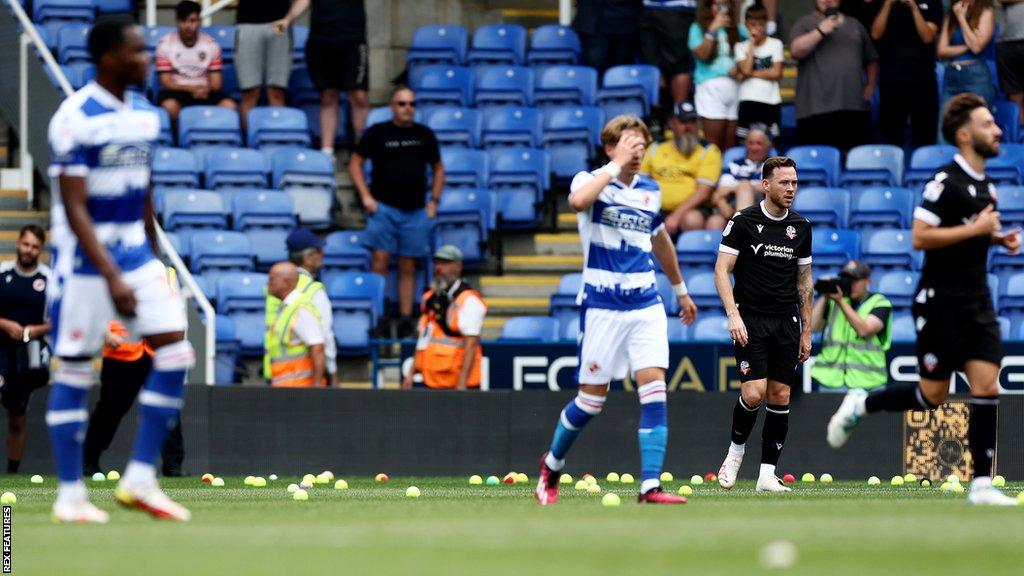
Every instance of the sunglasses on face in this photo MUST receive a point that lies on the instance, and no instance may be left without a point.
(406, 104)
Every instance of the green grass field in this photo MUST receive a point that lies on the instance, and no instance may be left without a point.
(454, 528)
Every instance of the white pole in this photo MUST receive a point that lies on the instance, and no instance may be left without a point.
(564, 12)
(150, 12)
(205, 13)
(24, 158)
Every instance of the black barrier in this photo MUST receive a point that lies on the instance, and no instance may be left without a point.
(250, 430)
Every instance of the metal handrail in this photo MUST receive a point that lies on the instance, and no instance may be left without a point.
(29, 29)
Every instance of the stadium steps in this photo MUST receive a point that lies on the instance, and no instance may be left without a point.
(517, 305)
(563, 263)
(558, 243)
(13, 199)
(567, 221)
(15, 219)
(519, 285)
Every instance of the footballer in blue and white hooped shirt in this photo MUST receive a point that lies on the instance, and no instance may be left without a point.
(623, 327)
(102, 225)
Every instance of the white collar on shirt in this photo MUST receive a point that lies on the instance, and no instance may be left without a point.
(967, 168)
(776, 218)
(106, 98)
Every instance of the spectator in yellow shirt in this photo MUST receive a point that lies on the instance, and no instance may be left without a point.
(687, 169)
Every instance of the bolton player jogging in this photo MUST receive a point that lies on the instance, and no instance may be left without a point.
(623, 328)
(767, 248)
(102, 227)
(957, 329)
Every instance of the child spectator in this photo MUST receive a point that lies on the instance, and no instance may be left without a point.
(759, 63)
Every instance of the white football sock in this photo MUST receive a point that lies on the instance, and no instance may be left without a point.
(735, 448)
(139, 474)
(71, 492)
(553, 463)
(767, 471)
(648, 485)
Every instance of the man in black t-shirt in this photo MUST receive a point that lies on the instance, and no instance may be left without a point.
(399, 219)
(957, 329)
(904, 32)
(337, 58)
(263, 54)
(23, 327)
(767, 248)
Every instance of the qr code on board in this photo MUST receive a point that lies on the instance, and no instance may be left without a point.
(935, 443)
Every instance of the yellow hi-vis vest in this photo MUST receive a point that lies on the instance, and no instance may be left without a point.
(307, 287)
(848, 360)
(291, 365)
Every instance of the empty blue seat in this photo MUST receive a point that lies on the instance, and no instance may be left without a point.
(301, 90)
(463, 219)
(300, 35)
(113, 6)
(874, 164)
(711, 328)
(825, 207)
(1011, 205)
(554, 44)
(668, 297)
(925, 161)
(677, 331)
(698, 249)
(569, 327)
(229, 81)
(166, 137)
(456, 126)
(357, 299)
(502, 85)
(1007, 167)
(79, 73)
(229, 348)
(44, 11)
(464, 168)
(520, 167)
(1011, 297)
(512, 126)
(241, 291)
(438, 43)
(563, 84)
(1008, 118)
(175, 167)
(277, 126)
(571, 134)
(877, 207)
(890, 249)
(530, 328)
(630, 89)
(268, 209)
(498, 44)
(194, 209)
(817, 165)
(268, 246)
(1004, 265)
(250, 328)
(442, 84)
(234, 168)
(703, 291)
(224, 34)
(903, 331)
(72, 43)
(154, 34)
(301, 167)
(898, 287)
(215, 251)
(833, 248)
(344, 250)
(563, 304)
(208, 125)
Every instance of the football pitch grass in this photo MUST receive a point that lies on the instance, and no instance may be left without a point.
(846, 527)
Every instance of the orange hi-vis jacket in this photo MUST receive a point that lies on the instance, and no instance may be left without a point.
(439, 356)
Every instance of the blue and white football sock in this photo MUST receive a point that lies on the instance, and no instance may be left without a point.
(653, 433)
(66, 416)
(574, 417)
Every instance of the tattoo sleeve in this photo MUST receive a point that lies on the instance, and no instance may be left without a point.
(805, 290)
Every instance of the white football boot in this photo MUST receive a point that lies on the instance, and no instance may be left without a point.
(846, 418)
(730, 470)
(771, 484)
(81, 512)
(983, 493)
(152, 500)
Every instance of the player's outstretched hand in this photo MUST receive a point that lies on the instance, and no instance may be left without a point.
(987, 221)
(122, 296)
(737, 329)
(1010, 240)
(687, 310)
(805, 346)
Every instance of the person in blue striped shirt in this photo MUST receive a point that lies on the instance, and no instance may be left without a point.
(623, 326)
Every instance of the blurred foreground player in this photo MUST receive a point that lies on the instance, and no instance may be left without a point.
(102, 227)
(622, 319)
(957, 329)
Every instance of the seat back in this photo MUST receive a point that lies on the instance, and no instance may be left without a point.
(554, 44)
(542, 328)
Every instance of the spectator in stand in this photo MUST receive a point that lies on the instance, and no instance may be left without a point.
(741, 180)
(663, 25)
(836, 77)
(904, 33)
(759, 62)
(263, 54)
(337, 57)
(965, 43)
(687, 168)
(607, 31)
(1010, 53)
(712, 38)
(771, 13)
(189, 63)
(399, 223)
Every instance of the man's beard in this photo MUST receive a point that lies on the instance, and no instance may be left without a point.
(27, 262)
(442, 284)
(984, 149)
(686, 143)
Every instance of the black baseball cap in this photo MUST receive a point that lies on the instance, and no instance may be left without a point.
(684, 111)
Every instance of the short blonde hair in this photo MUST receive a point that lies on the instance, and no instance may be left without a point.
(613, 130)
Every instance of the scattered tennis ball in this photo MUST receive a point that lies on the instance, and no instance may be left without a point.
(626, 478)
(874, 481)
(36, 479)
(896, 481)
(113, 475)
(998, 481)
(509, 478)
(412, 492)
(249, 480)
(340, 484)
(953, 479)
(696, 480)
(324, 478)
(99, 477)
(1020, 497)
(8, 498)
(259, 482)
(825, 478)
(217, 482)
(292, 488)
(807, 477)
(300, 495)
(909, 477)
(608, 500)
(206, 479)
(581, 485)
(308, 479)
(329, 475)
(589, 479)
(593, 489)
(926, 483)
(522, 478)
(612, 477)
(945, 487)
(476, 479)
(685, 490)
(565, 479)
(667, 476)
(493, 481)
(306, 485)
(958, 488)
(272, 477)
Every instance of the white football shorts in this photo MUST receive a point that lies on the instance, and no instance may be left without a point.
(613, 342)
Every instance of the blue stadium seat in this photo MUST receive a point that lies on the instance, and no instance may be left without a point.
(1004, 328)
(176, 243)
(677, 331)
(498, 44)
(512, 126)
(553, 44)
(824, 207)
(241, 292)
(571, 134)
(630, 89)
(1008, 118)
(881, 207)
(711, 328)
(234, 168)
(175, 167)
(308, 176)
(342, 134)
(817, 165)
(357, 299)
(224, 34)
(1004, 265)
(265, 209)
(268, 246)
(898, 287)
(166, 137)
(229, 348)
(216, 251)
(154, 34)
(44, 11)
(208, 125)
(72, 43)
(502, 85)
(79, 73)
(903, 331)
(519, 176)
(530, 328)
(563, 84)
(1007, 167)
(113, 6)
(438, 43)
(925, 161)
(300, 35)
(463, 219)
(563, 305)
(570, 328)
(880, 164)
(229, 81)
(48, 33)
(191, 209)
(250, 328)
(442, 84)
(1011, 297)
(833, 248)
(889, 249)
(1011, 205)
(277, 126)
(378, 115)
(464, 168)
(668, 297)
(344, 250)
(993, 288)
(301, 90)
(703, 291)
(697, 250)
(737, 154)
(456, 126)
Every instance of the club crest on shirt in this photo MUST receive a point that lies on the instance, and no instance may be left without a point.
(790, 232)
(744, 367)
(594, 368)
(930, 361)
(728, 228)
(39, 285)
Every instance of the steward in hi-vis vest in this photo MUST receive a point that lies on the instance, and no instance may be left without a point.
(295, 343)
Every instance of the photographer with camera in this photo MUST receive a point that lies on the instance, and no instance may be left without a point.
(857, 328)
